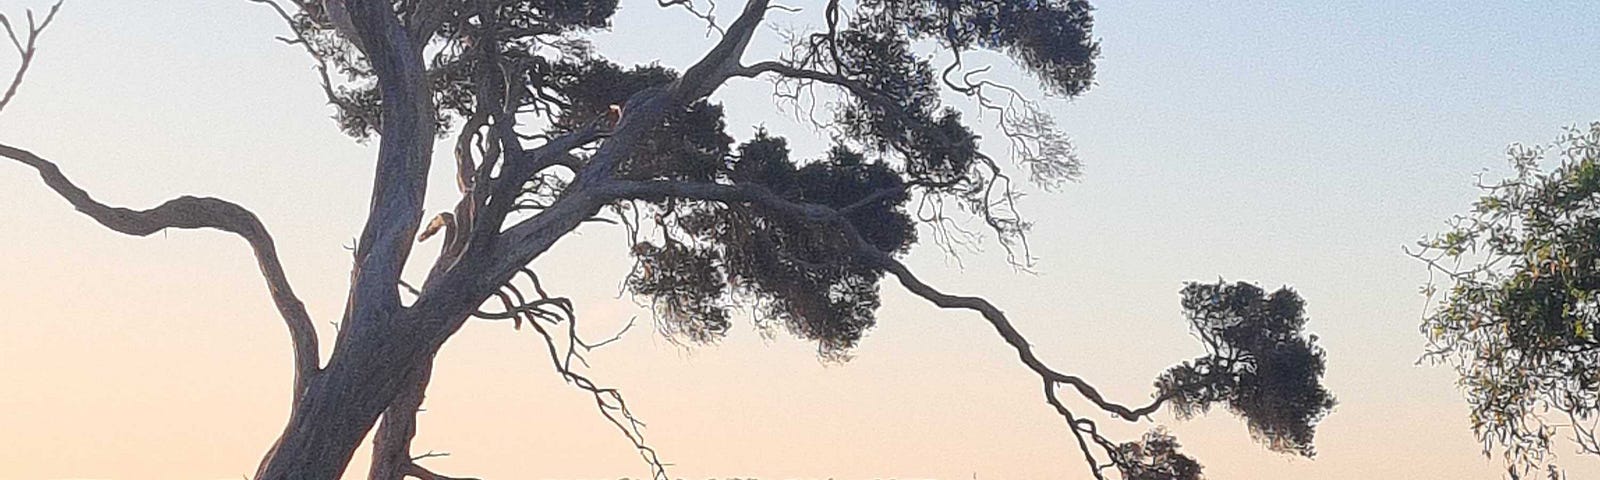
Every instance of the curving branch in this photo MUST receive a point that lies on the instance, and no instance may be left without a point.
(609, 401)
(1008, 332)
(197, 213)
(761, 196)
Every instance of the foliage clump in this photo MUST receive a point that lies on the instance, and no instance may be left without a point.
(1156, 457)
(798, 273)
(1518, 316)
(1260, 365)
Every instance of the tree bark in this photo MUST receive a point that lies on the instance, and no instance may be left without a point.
(391, 446)
(340, 405)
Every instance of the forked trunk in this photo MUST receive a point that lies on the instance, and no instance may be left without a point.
(341, 405)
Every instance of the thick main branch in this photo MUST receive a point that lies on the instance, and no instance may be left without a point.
(521, 243)
(404, 152)
(197, 213)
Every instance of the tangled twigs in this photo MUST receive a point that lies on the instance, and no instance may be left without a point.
(554, 310)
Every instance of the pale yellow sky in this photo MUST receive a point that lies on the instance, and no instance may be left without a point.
(1282, 144)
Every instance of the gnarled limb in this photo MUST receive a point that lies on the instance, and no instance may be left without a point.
(523, 242)
(609, 401)
(196, 213)
(758, 195)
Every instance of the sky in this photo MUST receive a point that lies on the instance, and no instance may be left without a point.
(1284, 143)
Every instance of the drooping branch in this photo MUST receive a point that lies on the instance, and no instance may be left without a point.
(1072, 423)
(197, 213)
(758, 195)
(1003, 326)
(555, 310)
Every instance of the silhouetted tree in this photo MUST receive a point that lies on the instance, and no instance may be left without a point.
(1522, 302)
(550, 134)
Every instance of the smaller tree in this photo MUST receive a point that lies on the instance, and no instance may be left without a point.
(1522, 302)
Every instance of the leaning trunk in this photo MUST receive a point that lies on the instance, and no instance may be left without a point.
(341, 404)
(391, 446)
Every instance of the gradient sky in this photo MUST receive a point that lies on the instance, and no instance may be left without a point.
(1286, 143)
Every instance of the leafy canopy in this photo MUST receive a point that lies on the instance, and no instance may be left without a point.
(896, 142)
(1518, 317)
(902, 159)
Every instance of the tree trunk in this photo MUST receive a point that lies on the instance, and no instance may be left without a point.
(391, 445)
(341, 404)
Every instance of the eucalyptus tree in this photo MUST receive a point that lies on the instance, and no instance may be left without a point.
(549, 134)
(1521, 303)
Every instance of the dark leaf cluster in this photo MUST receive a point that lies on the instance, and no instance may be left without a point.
(902, 113)
(473, 40)
(797, 273)
(1155, 457)
(891, 105)
(1261, 366)
(1051, 38)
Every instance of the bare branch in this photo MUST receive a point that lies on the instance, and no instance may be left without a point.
(344, 105)
(1072, 423)
(610, 403)
(414, 470)
(26, 49)
(196, 213)
(1018, 342)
